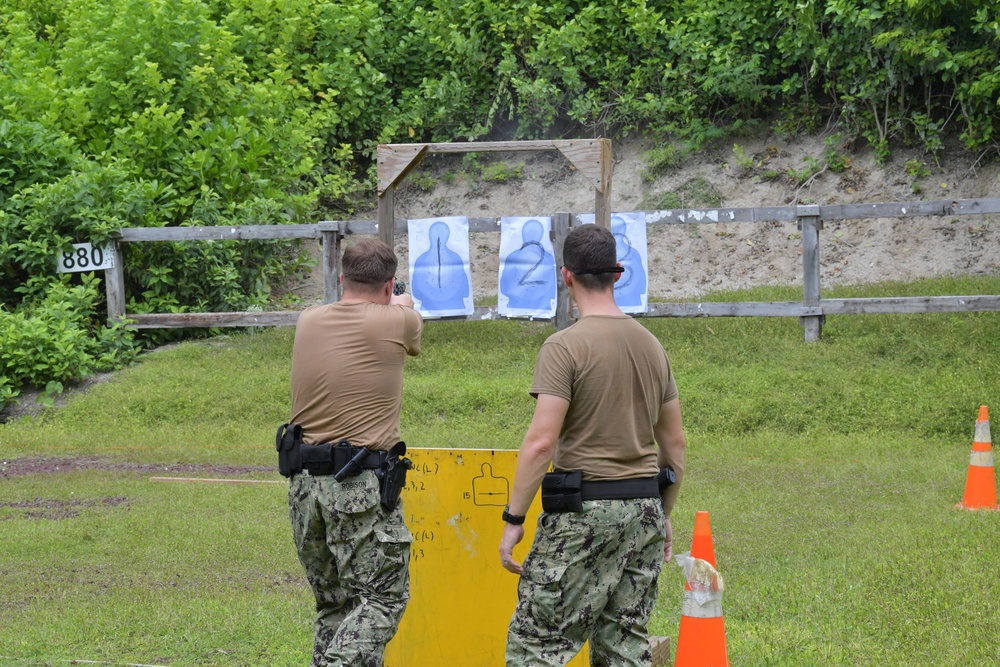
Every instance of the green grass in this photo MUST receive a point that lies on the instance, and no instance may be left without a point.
(697, 192)
(830, 471)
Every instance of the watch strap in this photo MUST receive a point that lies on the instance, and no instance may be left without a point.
(512, 519)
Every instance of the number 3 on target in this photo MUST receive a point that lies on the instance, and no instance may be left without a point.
(85, 257)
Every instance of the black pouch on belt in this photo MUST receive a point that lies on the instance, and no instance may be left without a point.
(288, 442)
(318, 459)
(561, 491)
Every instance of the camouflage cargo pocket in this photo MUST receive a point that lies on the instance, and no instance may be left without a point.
(385, 563)
(393, 538)
(541, 584)
(355, 494)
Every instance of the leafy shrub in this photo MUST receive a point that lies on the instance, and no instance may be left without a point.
(661, 201)
(701, 193)
(659, 161)
(51, 340)
(744, 162)
(917, 168)
(812, 168)
(836, 162)
(500, 172)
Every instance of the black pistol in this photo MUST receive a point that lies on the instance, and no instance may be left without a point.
(399, 287)
(666, 478)
(352, 467)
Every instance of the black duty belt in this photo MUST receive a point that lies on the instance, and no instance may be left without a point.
(329, 459)
(620, 489)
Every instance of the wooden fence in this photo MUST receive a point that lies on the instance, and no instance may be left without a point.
(811, 310)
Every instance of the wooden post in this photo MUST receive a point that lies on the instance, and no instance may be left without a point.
(331, 264)
(114, 284)
(387, 216)
(560, 230)
(809, 225)
(394, 162)
(602, 196)
(593, 159)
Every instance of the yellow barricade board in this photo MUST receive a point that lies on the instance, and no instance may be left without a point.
(461, 598)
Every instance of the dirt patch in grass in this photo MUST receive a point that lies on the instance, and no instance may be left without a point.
(18, 467)
(50, 508)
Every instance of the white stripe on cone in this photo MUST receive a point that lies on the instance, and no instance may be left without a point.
(981, 459)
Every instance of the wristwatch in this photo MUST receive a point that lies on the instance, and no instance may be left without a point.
(512, 519)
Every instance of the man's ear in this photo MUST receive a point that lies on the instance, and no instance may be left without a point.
(341, 278)
(567, 275)
(618, 275)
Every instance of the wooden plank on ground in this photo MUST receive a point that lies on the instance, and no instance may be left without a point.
(661, 651)
(207, 480)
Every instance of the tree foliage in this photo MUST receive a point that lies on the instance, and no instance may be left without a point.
(144, 113)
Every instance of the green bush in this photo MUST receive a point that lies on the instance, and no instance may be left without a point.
(51, 340)
(500, 172)
(659, 161)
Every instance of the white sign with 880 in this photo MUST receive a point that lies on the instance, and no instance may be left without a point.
(85, 257)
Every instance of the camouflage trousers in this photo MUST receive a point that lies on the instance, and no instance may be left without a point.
(356, 557)
(590, 575)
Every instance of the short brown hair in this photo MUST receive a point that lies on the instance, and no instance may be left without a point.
(368, 264)
(589, 248)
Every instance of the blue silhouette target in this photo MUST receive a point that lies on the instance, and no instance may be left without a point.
(629, 230)
(440, 276)
(527, 269)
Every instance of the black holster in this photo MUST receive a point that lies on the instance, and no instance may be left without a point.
(288, 442)
(561, 491)
(392, 476)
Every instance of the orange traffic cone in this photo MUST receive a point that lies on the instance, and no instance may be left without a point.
(981, 483)
(702, 640)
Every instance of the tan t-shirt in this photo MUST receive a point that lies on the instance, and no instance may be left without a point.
(616, 377)
(347, 371)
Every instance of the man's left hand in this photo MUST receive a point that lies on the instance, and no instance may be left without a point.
(401, 300)
(668, 545)
(512, 535)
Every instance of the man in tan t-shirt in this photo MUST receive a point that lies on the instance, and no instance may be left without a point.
(347, 384)
(607, 407)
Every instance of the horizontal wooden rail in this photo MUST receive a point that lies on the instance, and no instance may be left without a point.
(810, 219)
(277, 318)
(733, 309)
(915, 304)
(914, 209)
(658, 217)
(867, 306)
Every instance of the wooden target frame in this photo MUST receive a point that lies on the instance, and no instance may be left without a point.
(590, 157)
